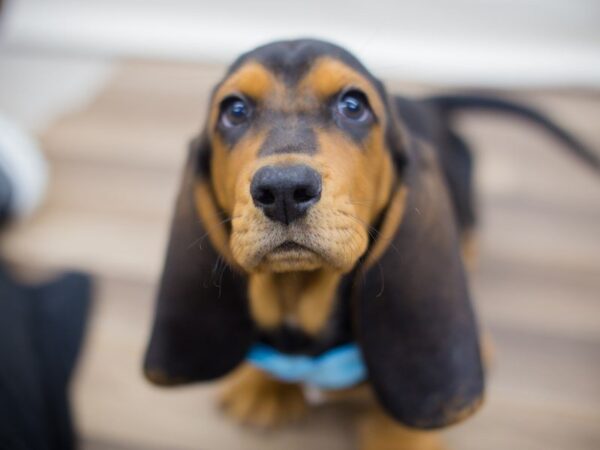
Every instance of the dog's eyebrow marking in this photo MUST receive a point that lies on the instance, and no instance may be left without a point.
(329, 76)
(251, 79)
(290, 136)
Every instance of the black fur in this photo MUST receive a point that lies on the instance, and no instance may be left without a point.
(290, 135)
(202, 327)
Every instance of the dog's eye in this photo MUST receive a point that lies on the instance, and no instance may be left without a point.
(354, 106)
(234, 111)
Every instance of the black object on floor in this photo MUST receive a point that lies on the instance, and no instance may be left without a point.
(41, 329)
(5, 197)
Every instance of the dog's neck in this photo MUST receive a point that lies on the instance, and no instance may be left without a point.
(304, 299)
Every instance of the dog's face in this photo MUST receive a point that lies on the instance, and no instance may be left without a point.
(299, 159)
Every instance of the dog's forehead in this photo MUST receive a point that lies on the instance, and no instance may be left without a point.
(292, 60)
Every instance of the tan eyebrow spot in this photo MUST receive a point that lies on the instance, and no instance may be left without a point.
(252, 79)
(329, 76)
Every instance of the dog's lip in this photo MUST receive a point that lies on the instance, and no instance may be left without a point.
(289, 246)
(291, 254)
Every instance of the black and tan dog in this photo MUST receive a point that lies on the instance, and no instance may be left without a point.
(317, 211)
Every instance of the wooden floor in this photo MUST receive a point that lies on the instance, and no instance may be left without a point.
(115, 165)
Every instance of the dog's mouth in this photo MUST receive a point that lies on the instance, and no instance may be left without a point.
(325, 238)
(291, 255)
(289, 246)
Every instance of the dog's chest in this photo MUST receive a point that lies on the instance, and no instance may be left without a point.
(289, 338)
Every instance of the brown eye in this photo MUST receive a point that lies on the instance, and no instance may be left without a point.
(234, 112)
(353, 105)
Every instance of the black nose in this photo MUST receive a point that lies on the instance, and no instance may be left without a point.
(285, 193)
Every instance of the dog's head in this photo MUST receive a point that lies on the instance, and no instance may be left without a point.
(295, 148)
(304, 165)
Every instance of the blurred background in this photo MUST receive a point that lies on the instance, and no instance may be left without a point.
(112, 91)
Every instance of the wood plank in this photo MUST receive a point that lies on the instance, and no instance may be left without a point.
(116, 246)
(528, 405)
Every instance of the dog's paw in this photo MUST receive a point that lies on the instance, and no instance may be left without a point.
(253, 398)
(379, 432)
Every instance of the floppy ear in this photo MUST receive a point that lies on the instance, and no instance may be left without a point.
(202, 326)
(416, 326)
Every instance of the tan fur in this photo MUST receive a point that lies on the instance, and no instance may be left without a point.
(304, 298)
(379, 432)
(337, 226)
(316, 300)
(469, 250)
(212, 221)
(265, 302)
(328, 76)
(251, 397)
(488, 350)
(253, 80)
(160, 378)
(376, 430)
(390, 225)
(232, 170)
(361, 394)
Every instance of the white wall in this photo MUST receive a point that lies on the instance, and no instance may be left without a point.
(482, 42)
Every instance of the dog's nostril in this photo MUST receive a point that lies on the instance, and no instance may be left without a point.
(302, 195)
(265, 197)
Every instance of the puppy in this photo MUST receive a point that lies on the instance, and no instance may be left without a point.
(317, 242)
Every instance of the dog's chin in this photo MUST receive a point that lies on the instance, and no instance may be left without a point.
(290, 257)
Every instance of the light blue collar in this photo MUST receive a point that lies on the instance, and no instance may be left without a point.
(338, 368)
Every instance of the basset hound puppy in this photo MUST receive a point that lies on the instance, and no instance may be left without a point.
(317, 241)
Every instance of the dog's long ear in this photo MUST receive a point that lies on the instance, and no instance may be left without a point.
(416, 326)
(202, 326)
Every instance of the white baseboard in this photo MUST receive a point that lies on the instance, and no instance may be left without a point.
(464, 42)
